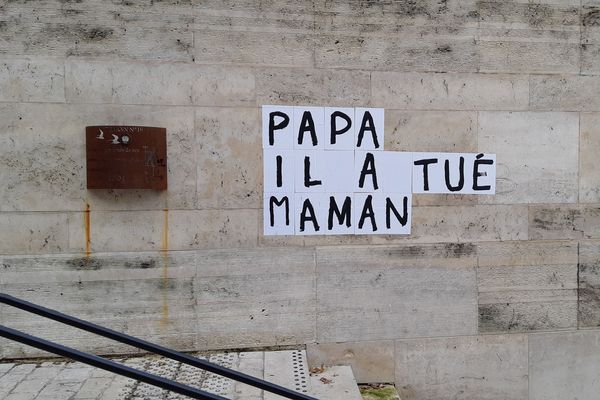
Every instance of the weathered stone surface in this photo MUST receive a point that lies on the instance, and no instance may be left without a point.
(564, 365)
(318, 87)
(565, 92)
(400, 291)
(144, 294)
(527, 286)
(212, 229)
(228, 149)
(119, 231)
(96, 32)
(410, 48)
(286, 16)
(449, 91)
(465, 224)
(590, 37)
(33, 233)
(520, 37)
(250, 298)
(443, 131)
(589, 285)
(537, 155)
(468, 367)
(32, 79)
(159, 83)
(253, 48)
(564, 222)
(44, 170)
(370, 361)
(589, 162)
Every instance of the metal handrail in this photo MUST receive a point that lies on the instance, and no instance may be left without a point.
(107, 365)
(147, 346)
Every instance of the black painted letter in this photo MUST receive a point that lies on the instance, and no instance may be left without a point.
(307, 208)
(367, 212)
(307, 181)
(461, 172)
(334, 130)
(367, 120)
(273, 127)
(345, 214)
(425, 163)
(279, 160)
(307, 124)
(368, 169)
(477, 174)
(274, 202)
(389, 206)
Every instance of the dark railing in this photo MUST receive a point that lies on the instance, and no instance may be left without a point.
(120, 369)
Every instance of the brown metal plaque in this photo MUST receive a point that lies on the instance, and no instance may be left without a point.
(126, 157)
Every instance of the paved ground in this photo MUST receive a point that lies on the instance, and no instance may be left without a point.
(76, 381)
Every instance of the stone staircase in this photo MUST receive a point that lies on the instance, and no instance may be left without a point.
(75, 381)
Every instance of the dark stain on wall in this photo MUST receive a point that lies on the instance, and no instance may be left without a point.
(591, 18)
(85, 263)
(588, 294)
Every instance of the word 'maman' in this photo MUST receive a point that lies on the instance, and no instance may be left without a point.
(326, 173)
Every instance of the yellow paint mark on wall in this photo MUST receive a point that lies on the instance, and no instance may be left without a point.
(87, 228)
(165, 272)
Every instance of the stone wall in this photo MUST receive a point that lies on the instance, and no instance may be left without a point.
(491, 297)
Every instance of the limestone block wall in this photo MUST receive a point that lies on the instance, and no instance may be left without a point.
(490, 297)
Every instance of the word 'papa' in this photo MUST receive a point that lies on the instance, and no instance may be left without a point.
(325, 172)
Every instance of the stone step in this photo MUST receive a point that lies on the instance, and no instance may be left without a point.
(78, 381)
(334, 383)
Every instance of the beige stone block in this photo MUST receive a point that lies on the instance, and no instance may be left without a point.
(589, 163)
(32, 79)
(564, 365)
(449, 91)
(589, 285)
(519, 14)
(467, 223)
(564, 222)
(519, 37)
(286, 16)
(97, 33)
(89, 81)
(431, 131)
(527, 286)
(209, 229)
(258, 297)
(120, 230)
(164, 229)
(409, 48)
(565, 92)
(45, 169)
(149, 295)
(376, 18)
(159, 83)
(468, 367)
(370, 361)
(317, 87)
(590, 37)
(399, 291)
(536, 153)
(229, 157)
(253, 48)
(224, 86)
(33, 232)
